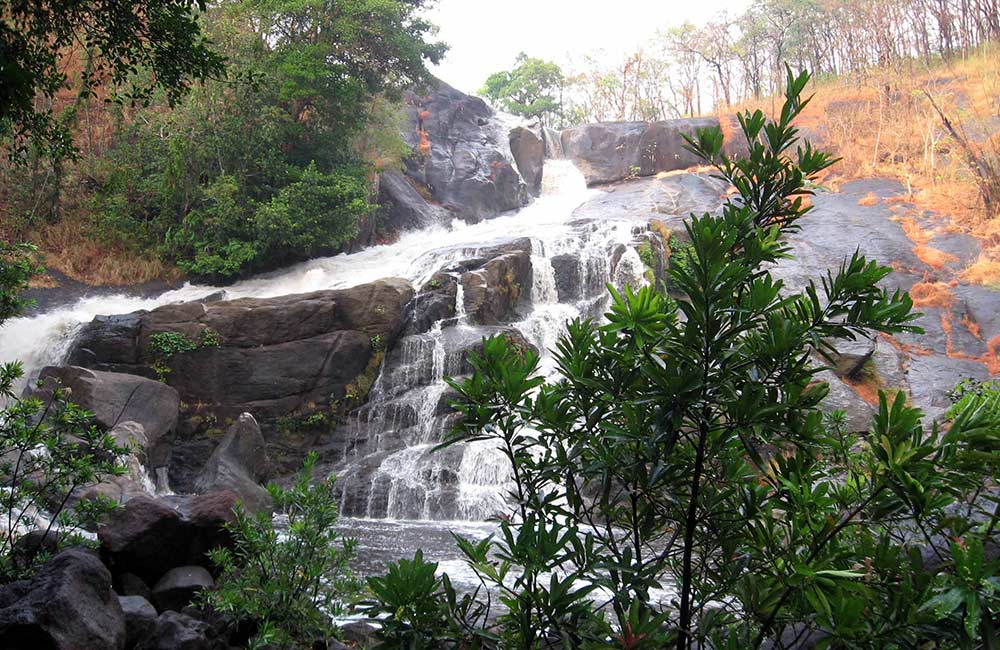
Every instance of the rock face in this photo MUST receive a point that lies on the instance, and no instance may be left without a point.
(148, 537)
(69, 605)
(529, 154)
(611, 151)
(239, 464)
(116, 398)
(176, 631)
(494, 291)
(140, 619)
(461, 156)
(404, 207)
(276, 357)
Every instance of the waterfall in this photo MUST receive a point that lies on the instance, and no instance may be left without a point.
(385, 455)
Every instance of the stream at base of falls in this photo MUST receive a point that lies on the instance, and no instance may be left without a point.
(395, 493)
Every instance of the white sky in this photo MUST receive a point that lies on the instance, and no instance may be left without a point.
(486, 36)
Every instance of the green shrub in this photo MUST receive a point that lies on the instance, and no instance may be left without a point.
(419, 610)
(286, 582)
(49, 450)
(17, 267)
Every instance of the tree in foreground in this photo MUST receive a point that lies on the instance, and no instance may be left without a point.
(679, 485)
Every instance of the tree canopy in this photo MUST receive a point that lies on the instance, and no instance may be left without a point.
(135, 48)
(532, 89)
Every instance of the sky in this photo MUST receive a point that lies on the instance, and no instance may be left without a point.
(487, 36)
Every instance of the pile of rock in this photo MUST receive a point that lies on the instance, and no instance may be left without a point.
(135, 592)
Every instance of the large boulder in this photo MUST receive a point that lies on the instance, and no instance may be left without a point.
(69, 605)
(494, 291)
(116, 398)
(282, 357)
(239, 464)
(140, 619)
(529, 154)
(276, 355)
(461, 157)
(611, 151)
(148, 537)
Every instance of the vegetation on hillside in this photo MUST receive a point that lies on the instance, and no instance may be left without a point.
(267, 163)
(888, 122)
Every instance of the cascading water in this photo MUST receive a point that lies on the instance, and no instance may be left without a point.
(388, 466)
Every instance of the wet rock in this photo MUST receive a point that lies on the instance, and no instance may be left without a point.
(177, 631)
(148, 537)
(239, 464)
(403, 206)
(612, 151)
(461, 154)
(277, 357)
(568, 278)
(529, 154)
(129, 584)
(68, 605)
(108, 340)
(179, 586)
(115, 398)
(434, 302)
(140, 619)
(494, 292)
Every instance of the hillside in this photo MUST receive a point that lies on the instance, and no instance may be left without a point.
(883, 125)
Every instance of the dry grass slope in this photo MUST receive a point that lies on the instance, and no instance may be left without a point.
(882, 125)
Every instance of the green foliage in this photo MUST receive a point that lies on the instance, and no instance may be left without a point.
(163, 346)
(533, 88)
(210, 338)
(418, 610)
(303, 423)
(17, 267)
(286, 582)
(316, 213)
(684, 445)
(142, 47)
(273, 164)
(681, 254)
(49, 451)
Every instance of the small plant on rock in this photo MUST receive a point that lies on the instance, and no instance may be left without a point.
(286, 583)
